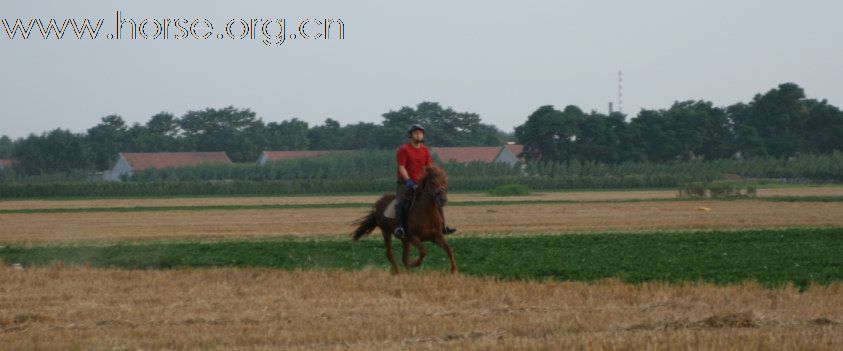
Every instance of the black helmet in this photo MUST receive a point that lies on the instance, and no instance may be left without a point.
(414, 127)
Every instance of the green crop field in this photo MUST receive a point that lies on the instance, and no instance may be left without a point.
(772, 257)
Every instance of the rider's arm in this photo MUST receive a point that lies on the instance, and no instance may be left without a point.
(403, 171)
(401, 158)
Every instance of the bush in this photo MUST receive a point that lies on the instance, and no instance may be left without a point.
(510, 190)
(693, 189)
(717, 189)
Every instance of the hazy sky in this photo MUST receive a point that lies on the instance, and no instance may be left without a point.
(501, 60)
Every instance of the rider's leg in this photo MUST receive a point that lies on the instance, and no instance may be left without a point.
(400, 192)
(445, 228)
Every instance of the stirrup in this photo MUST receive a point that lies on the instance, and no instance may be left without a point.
(448, 230)
(399, 233)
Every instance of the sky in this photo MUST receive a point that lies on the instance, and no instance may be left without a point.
(500, 59)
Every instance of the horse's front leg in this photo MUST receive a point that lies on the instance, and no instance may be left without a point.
(440, 241)
(422, 252)
(387, 240)
(405, 254)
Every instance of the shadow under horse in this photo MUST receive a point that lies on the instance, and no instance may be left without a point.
(423, 221)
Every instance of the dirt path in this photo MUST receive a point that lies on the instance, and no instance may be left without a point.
(42, 228)
(301, 200)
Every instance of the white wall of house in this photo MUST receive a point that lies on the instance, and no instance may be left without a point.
(120, 168)
(507, 157)
(263, 159)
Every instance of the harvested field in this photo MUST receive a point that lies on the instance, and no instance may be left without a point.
(85, 308)
(367, 199)
(43, 228)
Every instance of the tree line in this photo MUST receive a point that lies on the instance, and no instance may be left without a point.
(780, 123)
(240, 133)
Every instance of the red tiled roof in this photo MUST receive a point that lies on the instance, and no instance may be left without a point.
(139, 161)
(468, 154)
(289, 155)
(7, 162)
(515, 149)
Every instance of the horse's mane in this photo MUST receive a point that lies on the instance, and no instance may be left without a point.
(433, 173)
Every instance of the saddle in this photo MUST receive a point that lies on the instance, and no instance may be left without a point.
(389, 211)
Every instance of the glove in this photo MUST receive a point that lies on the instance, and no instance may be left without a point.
(411, 184)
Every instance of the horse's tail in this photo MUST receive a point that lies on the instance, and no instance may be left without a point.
(366, 224)
(369, 222)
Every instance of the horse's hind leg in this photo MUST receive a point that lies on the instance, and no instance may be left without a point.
(387, 240)
(440, 241)
(422, 252)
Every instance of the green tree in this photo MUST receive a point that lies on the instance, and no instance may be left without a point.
(824, 127)
(626, 139)
(59, 151)
(779, 117)
(105, 140)
(444, 126)
(702, 130)
(361, 136)
(7, 146)
(658, 138)
(595, 141)
(288, 135)
(748, 143)
(549, 134)
(161, 133)
(326, 137)
(238, 132)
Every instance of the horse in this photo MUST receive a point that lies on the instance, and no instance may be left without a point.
(423, 221)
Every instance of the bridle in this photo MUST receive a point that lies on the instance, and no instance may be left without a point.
(433, 194)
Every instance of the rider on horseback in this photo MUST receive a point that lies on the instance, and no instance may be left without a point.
(412, 157)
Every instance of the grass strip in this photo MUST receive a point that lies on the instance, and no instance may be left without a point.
(801, 256)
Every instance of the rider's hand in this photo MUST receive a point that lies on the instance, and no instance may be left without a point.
(411, 184)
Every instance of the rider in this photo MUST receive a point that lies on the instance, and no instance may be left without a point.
(412, 157)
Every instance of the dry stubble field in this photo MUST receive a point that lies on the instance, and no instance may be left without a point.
(84, 308)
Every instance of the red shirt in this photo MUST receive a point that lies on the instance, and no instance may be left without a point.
(414, 160)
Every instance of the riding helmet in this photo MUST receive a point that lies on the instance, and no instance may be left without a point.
(414, 127)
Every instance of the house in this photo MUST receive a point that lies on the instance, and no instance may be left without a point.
(508, 154)
(267, 156)
(129, 162)
(515, 149)
(466, 154)
(7, 163)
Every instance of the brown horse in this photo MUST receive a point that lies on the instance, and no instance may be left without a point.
(424, 223)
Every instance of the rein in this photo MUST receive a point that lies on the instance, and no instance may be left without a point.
(430, 194)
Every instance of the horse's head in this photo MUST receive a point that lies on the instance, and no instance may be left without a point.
(435, 183)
